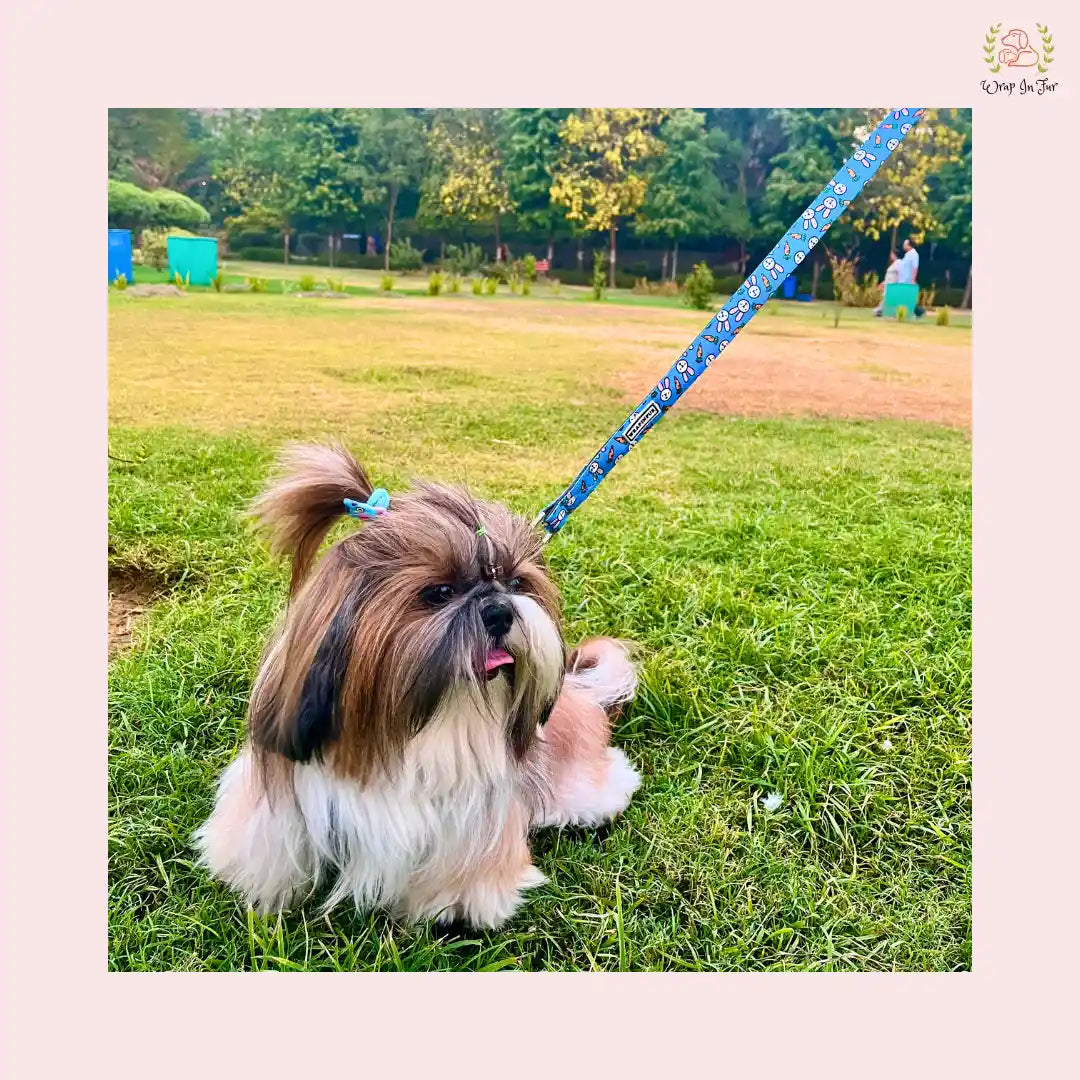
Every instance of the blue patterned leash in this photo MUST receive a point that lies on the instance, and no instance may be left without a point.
(744, 304)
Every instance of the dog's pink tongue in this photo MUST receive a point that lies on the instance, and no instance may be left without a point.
(496, 658)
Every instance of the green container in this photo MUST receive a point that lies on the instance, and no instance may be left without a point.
(897, 295)
(194, 255)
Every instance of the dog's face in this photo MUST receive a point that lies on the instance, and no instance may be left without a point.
(442, 603)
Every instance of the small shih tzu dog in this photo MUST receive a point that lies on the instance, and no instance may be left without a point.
(416, 713)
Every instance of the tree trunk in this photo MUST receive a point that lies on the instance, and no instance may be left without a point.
(285, 242)
(675, 260)
(551, 254)
(814, 279)
(966, 302)
(663, 266)
(895, 233)
(742, 257)
(330, 251)
(389, 227)
(580, 254)
(611, 257)
(498, 240)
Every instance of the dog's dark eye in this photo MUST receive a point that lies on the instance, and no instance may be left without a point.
(437, 594)
(514, 584)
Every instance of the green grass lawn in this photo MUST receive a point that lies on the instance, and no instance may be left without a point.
(801, 590)
(280, 278)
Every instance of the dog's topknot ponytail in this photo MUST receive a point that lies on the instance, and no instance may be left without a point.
(306, 497)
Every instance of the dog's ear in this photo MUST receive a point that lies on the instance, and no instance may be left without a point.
(318, 712)
(295, 707)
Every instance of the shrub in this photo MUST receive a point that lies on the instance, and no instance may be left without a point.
(218, 281)
(335, 284)
(404, 257)
(555, 283)
(463, 260)
(528, 265)
(477, 286)
(926, 297)
(131, 207)
(258, 284)
(727, 283)
(386, 282)
(490, 285)
(599, 274)
(434, 283)
(656, 288)
(182, 282)
(515, 284)
(526, 287)
(176, 210)
(901, 313)
(260, 254)
(154, 248)
(306, 283)
(847, 288)
(699, 286)
(453, 283)
(942, 317)
(120, 282)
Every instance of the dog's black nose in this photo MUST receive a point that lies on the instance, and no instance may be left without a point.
(497, 613)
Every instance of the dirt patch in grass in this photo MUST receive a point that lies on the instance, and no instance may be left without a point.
(131, 592)
(154, 290)
(852, 374)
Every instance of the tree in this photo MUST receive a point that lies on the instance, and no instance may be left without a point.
(900, 192)
(684, 196)
(326, 154)
(531, 151)
(745, 141)
(467, 181)
(816, 142)
(393, 153)
(156, 148)
(600, 175)
(258, 164)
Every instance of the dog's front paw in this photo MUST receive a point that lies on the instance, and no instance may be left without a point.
(489, 902)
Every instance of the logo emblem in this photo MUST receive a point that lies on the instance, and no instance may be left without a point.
(1017, 49)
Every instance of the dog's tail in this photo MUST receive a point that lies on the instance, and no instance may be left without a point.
(305, 498)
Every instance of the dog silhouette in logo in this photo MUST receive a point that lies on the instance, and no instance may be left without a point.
(1016, 52)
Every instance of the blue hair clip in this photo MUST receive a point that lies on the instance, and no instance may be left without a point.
(378, 503)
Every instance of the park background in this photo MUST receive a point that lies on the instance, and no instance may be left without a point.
(792, 548)
(665, 189)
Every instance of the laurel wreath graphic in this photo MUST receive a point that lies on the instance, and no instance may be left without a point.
(990, 48)
(1047, 49)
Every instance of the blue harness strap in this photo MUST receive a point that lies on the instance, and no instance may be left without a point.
(744, 304)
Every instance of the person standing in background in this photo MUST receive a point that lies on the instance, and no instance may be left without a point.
(909, 270)
(892, 276)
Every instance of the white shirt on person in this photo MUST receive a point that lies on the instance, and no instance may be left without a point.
(892, 272)
(909, 267)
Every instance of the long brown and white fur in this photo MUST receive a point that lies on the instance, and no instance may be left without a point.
(384, 762)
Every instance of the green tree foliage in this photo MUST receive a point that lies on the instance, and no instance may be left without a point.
(258, 161)
(600, 176)
(531, 152)
(900, 193)
(155, 148)
(684, 196)
(715, 180)
(467, 181)
(393, 154)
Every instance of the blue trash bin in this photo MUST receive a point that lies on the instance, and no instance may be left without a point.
(120, 254)
(789, 287)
